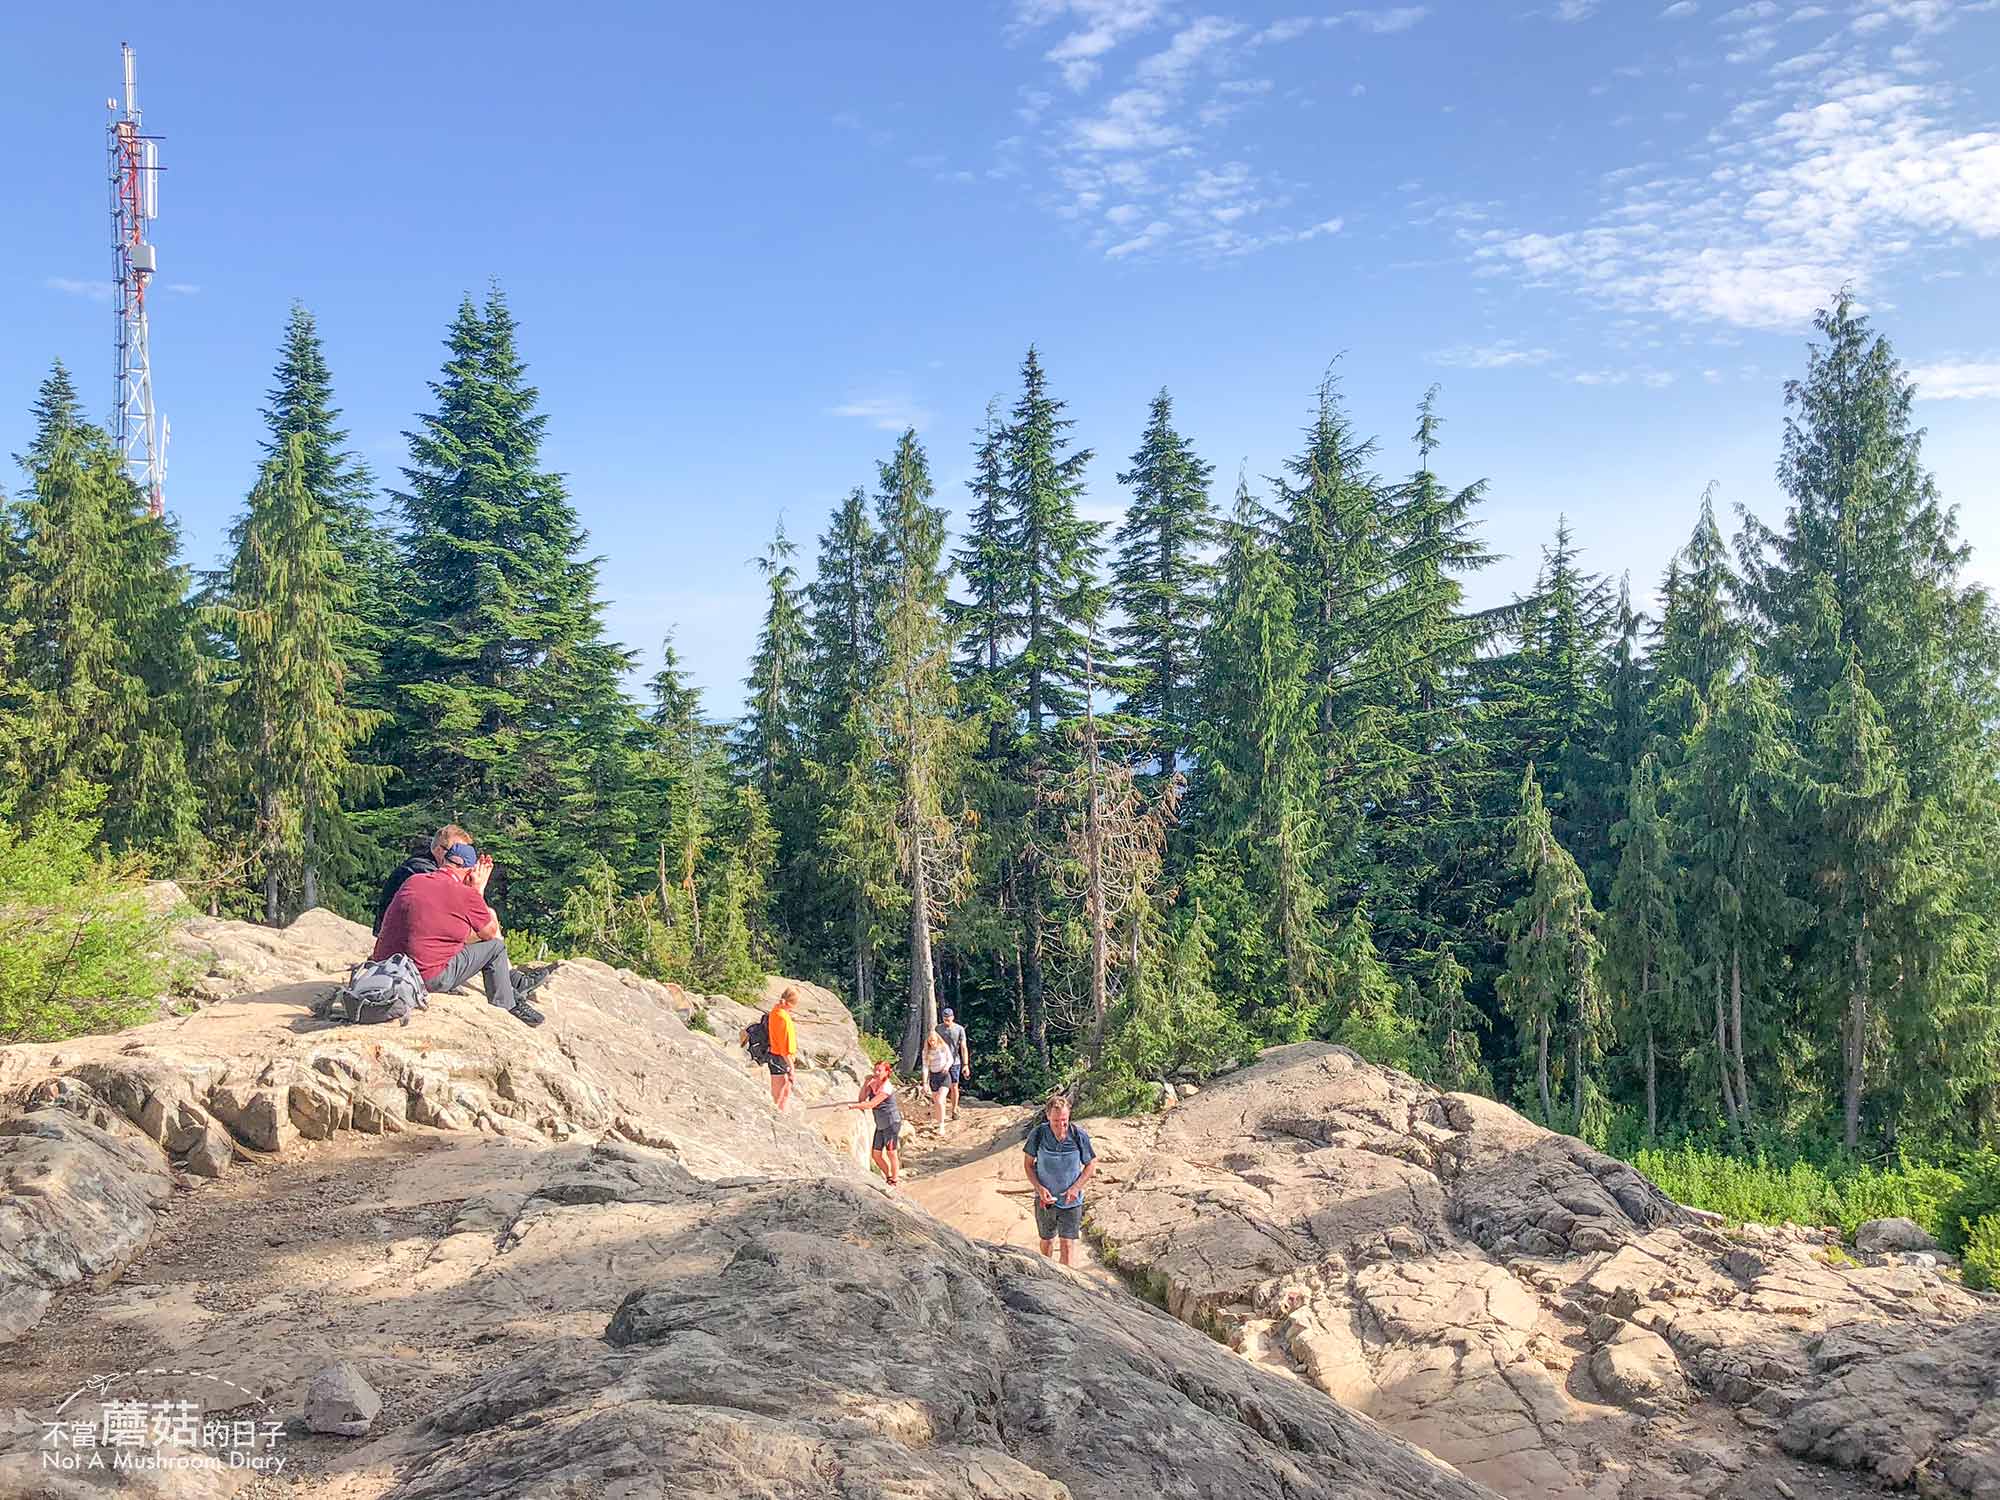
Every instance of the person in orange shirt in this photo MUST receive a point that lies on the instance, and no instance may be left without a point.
(784, 1045)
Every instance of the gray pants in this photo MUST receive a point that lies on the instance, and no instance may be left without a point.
(488, 959)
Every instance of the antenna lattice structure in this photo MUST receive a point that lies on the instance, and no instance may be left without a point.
(135, 203)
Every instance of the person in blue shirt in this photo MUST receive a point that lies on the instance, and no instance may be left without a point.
(1058, 1159)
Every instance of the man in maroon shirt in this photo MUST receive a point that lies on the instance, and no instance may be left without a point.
(441, 920)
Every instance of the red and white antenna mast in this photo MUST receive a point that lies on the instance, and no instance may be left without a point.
(135, 203)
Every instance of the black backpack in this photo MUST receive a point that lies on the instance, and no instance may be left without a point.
(757, 1039)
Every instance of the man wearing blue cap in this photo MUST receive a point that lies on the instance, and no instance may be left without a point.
(440, 918)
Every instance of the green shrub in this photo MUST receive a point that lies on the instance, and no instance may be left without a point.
(1385, 1035)
(1980, 1249)
(1977, 1198)
(79, 950)
(877, 1048)
(699, 1021)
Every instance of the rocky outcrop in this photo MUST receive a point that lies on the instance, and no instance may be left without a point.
(251, 1074)
(1528, 1309)
(827, 1339)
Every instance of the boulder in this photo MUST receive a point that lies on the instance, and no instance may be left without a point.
(1881, 1236)
(76, 1203)
(340, 1402)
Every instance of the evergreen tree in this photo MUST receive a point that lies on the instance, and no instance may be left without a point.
(1550, 986)
(288, 612)
(768, 740)
(1644, 963)
(510, 716)
(99, 664)
(920, 730)
(989, 620)
(1735, 800)
(1055, 593)
(361, 562)
(1699, 637)
(1261, 784)
(846, 876)
(1861, 600)
(1162, 581)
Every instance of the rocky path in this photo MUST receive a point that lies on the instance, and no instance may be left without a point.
(970, 1177)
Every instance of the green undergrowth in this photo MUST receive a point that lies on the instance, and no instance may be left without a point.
(1767, 1188)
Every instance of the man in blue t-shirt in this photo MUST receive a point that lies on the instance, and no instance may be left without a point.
(1059, 1160)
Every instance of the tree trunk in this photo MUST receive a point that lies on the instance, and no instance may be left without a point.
(1857, 1057)
(1578, 1081)
(923, 996)
(268, 809)
(666, 906)
(1736, 1027)
(1652, 1095)
(1542, 1068)
(1722, 1059)
(1031, 971)
(309, 871)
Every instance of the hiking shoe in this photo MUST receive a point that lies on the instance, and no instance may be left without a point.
(526, 1014)
(527, 981)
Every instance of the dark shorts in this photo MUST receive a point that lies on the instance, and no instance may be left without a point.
(944, 1080)
(779, 1066)
(887, 1136)
(957, 1072)
(1053, 1222)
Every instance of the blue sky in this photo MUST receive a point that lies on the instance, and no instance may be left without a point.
(747, 244)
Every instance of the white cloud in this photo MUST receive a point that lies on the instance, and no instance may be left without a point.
(1148, 237)
(1680, 10)
(183, 288)
(1102, 25)
(1856, 170)
(1386, 22)
(1132, 121)
(890, 413)
(1501, 355)
(96, 291)
(1958, 380)
(1189, 45)
(1575, 10)
(1287, 30)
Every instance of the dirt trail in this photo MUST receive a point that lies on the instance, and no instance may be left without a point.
(970, 1177)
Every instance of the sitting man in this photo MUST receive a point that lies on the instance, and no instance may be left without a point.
(421, 862)
(441, 920)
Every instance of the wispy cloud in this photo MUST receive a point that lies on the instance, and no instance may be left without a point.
(96, 291)
(183, 288)
(1680, 10)
(890, 413)
(1144, 163)
(1958, 380)
(1836, 170)
(1501, 355)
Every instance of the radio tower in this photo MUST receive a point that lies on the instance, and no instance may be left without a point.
(135, 202)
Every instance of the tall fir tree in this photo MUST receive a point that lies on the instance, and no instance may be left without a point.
(1735, 801)
(1162, 583)
(1260, 785)
(1864, 581)
(1055, 593)
(287, 610)
(1644, 961)
(1551, 984)
(510, 716)
(921, 731)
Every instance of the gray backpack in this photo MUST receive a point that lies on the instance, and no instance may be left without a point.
(380, 990)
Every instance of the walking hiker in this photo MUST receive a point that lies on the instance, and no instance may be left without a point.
(1058, 1160)
(961, 1054)
(879, 1094)
(938, 1068)
(440, 919)
(784, 1044)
